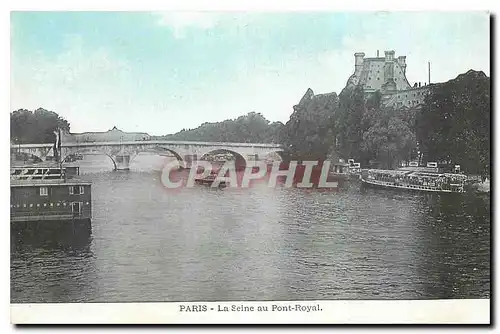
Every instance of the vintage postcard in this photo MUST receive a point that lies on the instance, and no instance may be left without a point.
(250, 167)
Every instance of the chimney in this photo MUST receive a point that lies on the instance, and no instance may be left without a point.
(429, 73)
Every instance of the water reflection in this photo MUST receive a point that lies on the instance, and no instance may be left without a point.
(51, 262)
(457, 259)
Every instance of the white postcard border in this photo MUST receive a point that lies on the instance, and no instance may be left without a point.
(377, 312)
(452, 311)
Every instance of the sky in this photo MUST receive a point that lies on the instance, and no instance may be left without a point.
(161, 72)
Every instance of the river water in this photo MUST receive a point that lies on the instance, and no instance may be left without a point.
(200, 244)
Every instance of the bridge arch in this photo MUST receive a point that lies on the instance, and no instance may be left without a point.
(158, 149)
(240, 160)
(277, 155)
(90, 151)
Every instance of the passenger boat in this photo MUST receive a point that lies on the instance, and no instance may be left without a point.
(208, 180)
(354, 169)
(48, 193)
(340, 171)
(424, 179)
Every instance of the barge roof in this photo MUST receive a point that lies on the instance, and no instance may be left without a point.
(48, 182)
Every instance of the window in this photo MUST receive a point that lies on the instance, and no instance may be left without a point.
(75, 190)
(76, 207)
(44, 191)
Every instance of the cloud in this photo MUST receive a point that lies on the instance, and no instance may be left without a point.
(82, 86)
(96, 88)
(180, 22)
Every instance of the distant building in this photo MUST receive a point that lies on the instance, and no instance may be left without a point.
(387, 75)
(114, 134)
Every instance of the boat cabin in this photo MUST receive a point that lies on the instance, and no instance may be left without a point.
(340, 168)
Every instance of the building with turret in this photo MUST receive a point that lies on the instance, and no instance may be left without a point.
(388, 75)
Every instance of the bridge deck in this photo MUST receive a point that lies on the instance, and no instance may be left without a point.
(149, 142)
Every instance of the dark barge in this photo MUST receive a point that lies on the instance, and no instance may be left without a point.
(49, 193)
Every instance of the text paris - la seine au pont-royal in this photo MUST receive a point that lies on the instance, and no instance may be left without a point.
(250, 308)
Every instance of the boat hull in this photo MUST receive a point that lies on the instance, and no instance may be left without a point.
(209, 182)
(409, 188)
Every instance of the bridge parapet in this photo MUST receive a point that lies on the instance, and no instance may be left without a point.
(123, 152)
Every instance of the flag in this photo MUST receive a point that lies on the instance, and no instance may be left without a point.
(57, 145)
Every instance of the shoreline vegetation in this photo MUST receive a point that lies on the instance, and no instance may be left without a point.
(451, 126)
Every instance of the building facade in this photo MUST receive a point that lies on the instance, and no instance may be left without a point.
(388, 75)
(114, 134)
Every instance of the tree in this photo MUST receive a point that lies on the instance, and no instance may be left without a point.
(370, 133)
(454, 124)
(35, 127)
(349, 122)
(309, 133)
(390, 139)
(249, 128)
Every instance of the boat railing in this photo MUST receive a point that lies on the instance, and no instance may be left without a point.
(34, 213)
(28, 173)
(417, 178)
(36, 173)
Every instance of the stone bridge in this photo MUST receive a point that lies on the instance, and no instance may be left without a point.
(123, 152)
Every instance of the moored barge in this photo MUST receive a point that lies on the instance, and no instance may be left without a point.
(49, 193)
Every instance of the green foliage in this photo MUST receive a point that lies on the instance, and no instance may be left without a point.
(27, 127)
(454, 124)
(390, 139)
(372, 134)
(309, 134)
(250, 128)
(349, 122)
